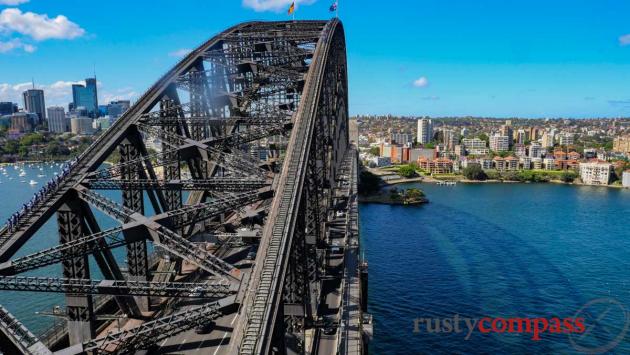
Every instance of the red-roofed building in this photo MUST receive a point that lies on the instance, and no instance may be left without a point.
(499, 163)
(511, 163)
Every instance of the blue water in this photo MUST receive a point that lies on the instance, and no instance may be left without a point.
(499, 250)
(14, 191)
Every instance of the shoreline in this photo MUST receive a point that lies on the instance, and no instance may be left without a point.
(384, 199)
(460, 179)
(431, 180)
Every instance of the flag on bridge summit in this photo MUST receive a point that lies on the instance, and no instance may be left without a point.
(291, 8)
(333, 7)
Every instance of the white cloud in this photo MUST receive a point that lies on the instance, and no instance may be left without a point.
(273, 5)
(61, 85)
(126, 93)
(39, 27)
(16, 43)
(59, 93)
(624, 40)
(421, 82)
(12, 2)
(180, 53)
(9, 92)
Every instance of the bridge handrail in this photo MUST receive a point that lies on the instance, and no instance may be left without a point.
(16, 330)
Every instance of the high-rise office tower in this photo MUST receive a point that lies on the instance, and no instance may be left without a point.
(34, 103)
(57, 120)
(115, 109)
(506, 130)
(7, 108)
(86, 96)
(425, 130)
(451, 139)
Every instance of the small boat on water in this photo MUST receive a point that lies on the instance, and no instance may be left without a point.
(41, 175)
(32, 182)
(22, 173)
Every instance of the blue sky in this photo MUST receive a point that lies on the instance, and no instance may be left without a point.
(503, 58)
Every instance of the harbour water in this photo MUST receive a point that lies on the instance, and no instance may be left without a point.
(499, 250)
(15, 190)
(487, 250)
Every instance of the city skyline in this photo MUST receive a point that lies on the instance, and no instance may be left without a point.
(456, 59)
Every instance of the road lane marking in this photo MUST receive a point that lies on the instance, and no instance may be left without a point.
(224, 335)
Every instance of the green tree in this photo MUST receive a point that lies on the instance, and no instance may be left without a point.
(492, 174)
(23, 151)
(394, 195)
(413, 194)
(375, 151)
(53, 148)
(407, 171)
(368, 182)
(474, 172)
(11, 147)
(512, 176)
(31, 138)
(568, 176)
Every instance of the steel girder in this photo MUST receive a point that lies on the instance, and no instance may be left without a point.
(233, 140)
(149, 333)
(78, 247)
(20, 336)
(184, 216)
(170, 240)
(79, 308)
(204, 259)
(116, 288)
(210, 184)
(133, 199)
(171, 170)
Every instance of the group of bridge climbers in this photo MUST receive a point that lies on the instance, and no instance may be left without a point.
(14, 221)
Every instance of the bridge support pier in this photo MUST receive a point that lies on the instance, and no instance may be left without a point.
(137, 258)
(80, 311)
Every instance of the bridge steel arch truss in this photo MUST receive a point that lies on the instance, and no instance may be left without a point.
(255, 119)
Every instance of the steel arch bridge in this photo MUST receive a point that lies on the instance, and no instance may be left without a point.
(253, 154)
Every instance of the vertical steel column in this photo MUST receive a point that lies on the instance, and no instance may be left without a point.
(198, 109)
(80, 310)
(295, 293)
(278, 346)
(198, 100)
(172, 171)
(137, 259)
(314, 233)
